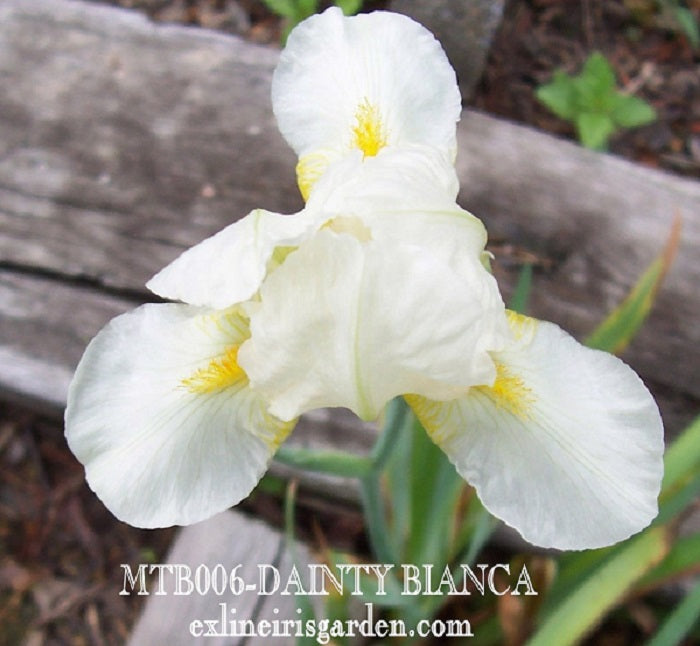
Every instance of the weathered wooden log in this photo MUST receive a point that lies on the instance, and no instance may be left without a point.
(123, 142)
(227, 541)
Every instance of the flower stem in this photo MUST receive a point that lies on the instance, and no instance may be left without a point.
(397, 417)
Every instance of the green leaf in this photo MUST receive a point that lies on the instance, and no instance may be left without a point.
(434, 499)
(270, 484)
(333, 462)
(680, 622)
(305, 8)
(559, 96)
(599, 74)
(687, 22)
(413, 520)
(682, 458)
(392, 596)
(631, 111)
(602, 590)
(573, 568)
(284, 8)
(307, 610)
(349, 7)
(392, 441)
(594, 129)
(678, 499)
(521, 293)
(591, 98)
(681, 483)
(621, 325)
(398, 418)
(682, 560)
(477, 529)
(592, 102)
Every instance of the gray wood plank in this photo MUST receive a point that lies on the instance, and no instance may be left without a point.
(123, 142)
(228, 539)
(45, 325)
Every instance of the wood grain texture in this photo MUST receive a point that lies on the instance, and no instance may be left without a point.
(228, 539)
(123, 142)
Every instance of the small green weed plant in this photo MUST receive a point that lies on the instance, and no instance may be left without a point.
(592, 102)
(294, 11)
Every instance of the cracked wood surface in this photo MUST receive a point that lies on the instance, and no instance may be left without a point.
(123, 142)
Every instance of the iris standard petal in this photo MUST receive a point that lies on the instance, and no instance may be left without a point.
(162, 416)
(566, 447)
(406, 195)
(411, 177)
(363, 82)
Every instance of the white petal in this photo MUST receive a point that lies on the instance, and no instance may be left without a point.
(167, 432)
(228, 267)
(336, 69)
(567, 447)
(404, 195)
(352, 324)
(412, 177)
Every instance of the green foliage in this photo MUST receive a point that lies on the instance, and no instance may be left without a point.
(601, 590)
(349, 7)
(334, 462)
(521, 293)
(680, 622)
(671, 14)
(687, 23)
(303, 602)
(683, 558)
(623, 323)
(434, 519)
(593, 104)
(294, 11)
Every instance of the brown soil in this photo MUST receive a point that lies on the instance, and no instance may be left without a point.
(652, 59)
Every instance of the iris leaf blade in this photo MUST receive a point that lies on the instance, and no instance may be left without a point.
(521, 293)
(619, 328)
(682, 457)
(579, 612)
(679, 622)
(333, 462)
(683, 559)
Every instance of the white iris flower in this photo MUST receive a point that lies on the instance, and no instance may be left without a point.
(388, 297)
(164, 410)
(362, 83)
(377, 288)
